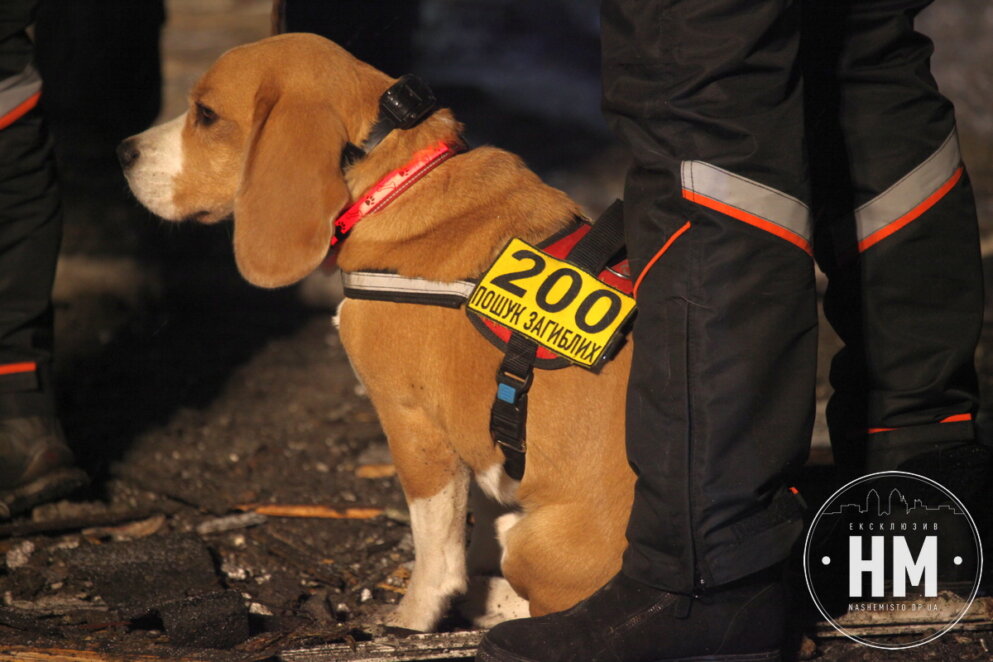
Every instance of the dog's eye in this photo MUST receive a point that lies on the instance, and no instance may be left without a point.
(205, 115)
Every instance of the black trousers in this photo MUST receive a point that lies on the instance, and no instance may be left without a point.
(30, 233)
(758, 145)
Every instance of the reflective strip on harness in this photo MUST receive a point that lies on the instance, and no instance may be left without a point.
(748, 201)
(403, 289)
(910, 197)
(18, 95)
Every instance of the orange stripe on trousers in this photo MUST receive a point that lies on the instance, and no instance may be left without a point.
(20, 110)
(655, 258)
(751, 219)
(956, 418)
(18, 368)
(913, 214)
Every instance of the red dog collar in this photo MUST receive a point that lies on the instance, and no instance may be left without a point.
(389, 188)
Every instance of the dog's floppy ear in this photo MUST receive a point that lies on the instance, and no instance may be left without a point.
(291, 188)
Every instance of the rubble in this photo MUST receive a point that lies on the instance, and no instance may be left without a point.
(172, 576)
(214, 620)
(392, 648)
(135, 576)
(230, 523)
(64, 520)
(19, 555)
(314, 511)
(132, 531)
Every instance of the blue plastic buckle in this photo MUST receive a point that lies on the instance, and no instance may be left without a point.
(510, 388)
(507, 393)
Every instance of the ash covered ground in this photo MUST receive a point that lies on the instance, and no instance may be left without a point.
(190, 396)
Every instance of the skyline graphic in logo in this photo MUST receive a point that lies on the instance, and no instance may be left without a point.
(893, 542)
(872, 497)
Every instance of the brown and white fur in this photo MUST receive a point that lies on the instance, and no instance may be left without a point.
(262, 140)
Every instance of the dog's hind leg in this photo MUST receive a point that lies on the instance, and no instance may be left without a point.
(558, 555)
(436, 484)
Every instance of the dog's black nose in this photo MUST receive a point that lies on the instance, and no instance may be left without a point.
(127, 153)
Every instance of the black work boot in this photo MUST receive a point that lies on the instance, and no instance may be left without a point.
(626, 621)
(966, 470)
(35, 464)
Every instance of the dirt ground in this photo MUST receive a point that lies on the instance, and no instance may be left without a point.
(193, 398)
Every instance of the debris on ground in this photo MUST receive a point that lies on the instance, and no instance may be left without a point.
(319, 512)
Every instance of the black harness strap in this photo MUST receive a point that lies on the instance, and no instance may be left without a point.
(509, 414)
(592, 253)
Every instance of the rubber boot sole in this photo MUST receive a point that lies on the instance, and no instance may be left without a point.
(489, 653)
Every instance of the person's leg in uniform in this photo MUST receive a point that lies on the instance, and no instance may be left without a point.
(35, 463)
(709, 97)
(905, 272)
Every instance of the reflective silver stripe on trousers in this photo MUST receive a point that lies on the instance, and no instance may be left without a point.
(911, 191)
(379, 282)
(17, 89)
(747, 200)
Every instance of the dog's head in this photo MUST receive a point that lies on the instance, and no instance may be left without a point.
(262, 140)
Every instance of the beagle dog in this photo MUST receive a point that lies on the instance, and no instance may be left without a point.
(262, 140)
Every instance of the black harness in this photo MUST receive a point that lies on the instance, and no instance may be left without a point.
(508, 414)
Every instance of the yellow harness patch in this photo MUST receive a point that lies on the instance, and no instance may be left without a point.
(554, 303)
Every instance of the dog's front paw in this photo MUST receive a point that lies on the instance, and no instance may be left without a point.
(403, 617)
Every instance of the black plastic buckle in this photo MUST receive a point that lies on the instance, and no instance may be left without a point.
(407, 102)
(509, 416)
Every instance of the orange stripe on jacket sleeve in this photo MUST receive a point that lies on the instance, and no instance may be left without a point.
(20, 110)
(660, 253)
(751, 219)
(913, 214)
(17, 368)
